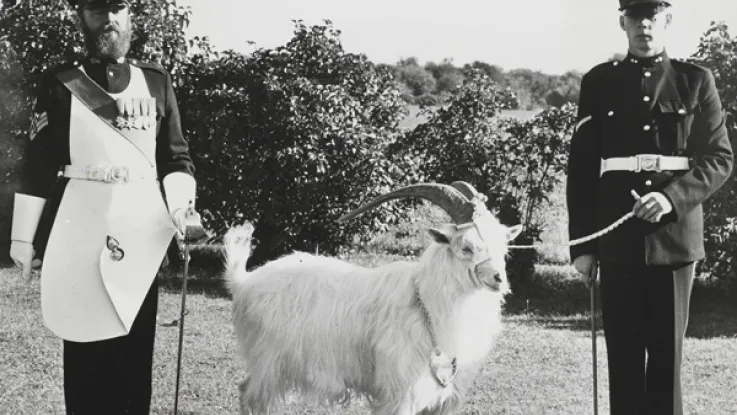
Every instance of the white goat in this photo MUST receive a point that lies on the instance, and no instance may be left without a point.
(330, 329)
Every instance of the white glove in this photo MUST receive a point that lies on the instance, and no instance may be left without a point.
(22, 255)
(651, 207)
(183, 218)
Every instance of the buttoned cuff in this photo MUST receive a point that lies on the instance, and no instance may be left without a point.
(27, 212)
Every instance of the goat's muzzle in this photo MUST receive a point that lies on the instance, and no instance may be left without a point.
(487, 276)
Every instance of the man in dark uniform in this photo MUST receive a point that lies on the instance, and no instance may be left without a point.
(651, 138)
(105, 142)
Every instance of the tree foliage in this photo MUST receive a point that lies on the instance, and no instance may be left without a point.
(515, 163)
(416, 80)
(434, 82)
(292, 138)
(718, 52)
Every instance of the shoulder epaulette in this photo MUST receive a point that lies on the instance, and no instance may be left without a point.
(688, 65)
(604, 67)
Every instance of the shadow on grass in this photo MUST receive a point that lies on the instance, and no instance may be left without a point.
(207, 288)
(561, 302)
(200, 281)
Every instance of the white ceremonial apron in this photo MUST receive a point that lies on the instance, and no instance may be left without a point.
(86, 295)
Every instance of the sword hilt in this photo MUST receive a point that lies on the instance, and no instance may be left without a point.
(193, 229)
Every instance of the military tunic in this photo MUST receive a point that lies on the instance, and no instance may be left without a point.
(111, 367)
(48, 150)
(646, 106)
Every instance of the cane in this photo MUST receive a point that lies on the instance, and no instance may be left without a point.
(193, 232)
(592, 292)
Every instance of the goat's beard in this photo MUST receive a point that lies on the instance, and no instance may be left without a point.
(110, 43)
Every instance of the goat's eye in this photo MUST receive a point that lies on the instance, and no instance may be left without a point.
(468, 250)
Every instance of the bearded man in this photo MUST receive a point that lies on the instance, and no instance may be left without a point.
(105, 142)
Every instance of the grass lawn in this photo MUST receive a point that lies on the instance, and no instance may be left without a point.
(541, 365)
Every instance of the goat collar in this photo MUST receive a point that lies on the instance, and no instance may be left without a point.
(443, 367)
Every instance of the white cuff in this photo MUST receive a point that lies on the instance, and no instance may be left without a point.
(27, 212)
(180, 189)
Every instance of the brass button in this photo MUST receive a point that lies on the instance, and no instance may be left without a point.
(646, 99)
(646, 128)
(610, 113)
(648, 183)
(647, 74)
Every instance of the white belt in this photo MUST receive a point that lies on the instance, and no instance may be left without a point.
(109, 173)
(644, 162)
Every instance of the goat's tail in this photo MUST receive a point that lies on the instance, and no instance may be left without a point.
(237, 244)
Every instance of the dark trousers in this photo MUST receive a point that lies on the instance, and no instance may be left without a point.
(645, 311)
(113, 376)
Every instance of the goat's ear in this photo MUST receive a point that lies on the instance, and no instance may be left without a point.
(513, 232)
(442, 234)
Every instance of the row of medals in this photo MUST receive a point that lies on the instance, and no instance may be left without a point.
(136, 113)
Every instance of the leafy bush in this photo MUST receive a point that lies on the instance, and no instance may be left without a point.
(291, 139)
(427, 100)
(718, 52)
(515, 163)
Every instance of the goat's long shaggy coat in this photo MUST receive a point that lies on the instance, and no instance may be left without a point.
(329, 329)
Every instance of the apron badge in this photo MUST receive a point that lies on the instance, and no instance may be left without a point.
(443, 368)
(136, 113)
(116, 253)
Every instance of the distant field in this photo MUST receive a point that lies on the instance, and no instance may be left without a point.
(413, 118)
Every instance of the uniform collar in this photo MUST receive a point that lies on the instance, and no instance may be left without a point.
(659, 59)
(97, 61)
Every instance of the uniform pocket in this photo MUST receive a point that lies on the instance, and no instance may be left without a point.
(674, 123)
(678, 107)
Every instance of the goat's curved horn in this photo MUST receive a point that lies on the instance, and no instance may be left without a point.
(450, 199)
(465, 188)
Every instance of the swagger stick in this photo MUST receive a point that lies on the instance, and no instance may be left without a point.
(193, 231)
(182, 312)
(592, 289)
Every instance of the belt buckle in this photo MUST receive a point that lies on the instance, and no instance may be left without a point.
(116, 174)
(648, 162)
